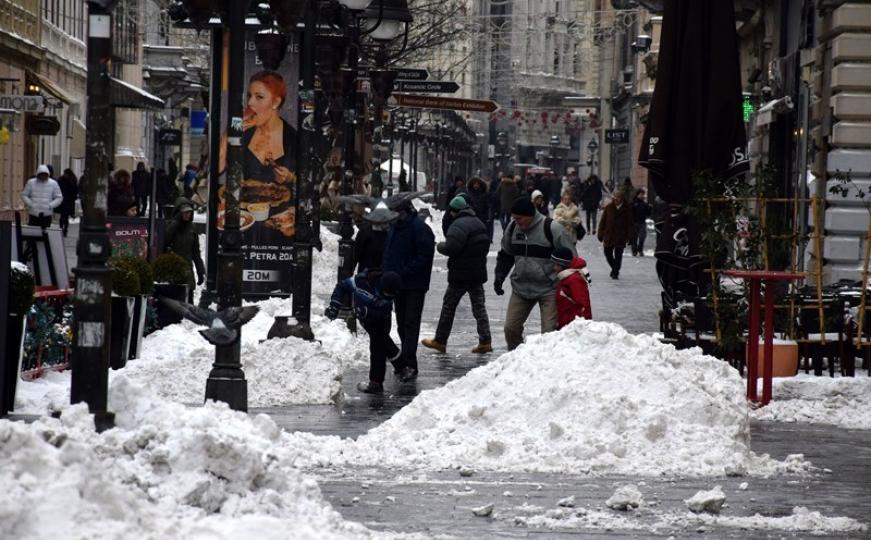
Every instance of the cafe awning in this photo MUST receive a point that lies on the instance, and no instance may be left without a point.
(124, 94)
(50, 87)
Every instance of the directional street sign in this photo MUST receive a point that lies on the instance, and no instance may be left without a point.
(431, 87)
(412, 74)
(453, 104)
(616, 136)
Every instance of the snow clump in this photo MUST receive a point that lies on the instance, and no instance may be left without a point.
(625, 498)
(707, 501)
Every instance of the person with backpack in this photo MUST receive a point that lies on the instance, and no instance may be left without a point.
(572, 291)
(527, 245)
(372, 293)
(466, 245)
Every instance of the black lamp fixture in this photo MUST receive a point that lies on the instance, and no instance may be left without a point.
(200, 12)
(384, 22)
(271, 47)
(287, 13)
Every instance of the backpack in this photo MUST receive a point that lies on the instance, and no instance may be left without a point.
(548, 232)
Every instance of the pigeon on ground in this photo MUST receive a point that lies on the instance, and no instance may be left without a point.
(223, 327)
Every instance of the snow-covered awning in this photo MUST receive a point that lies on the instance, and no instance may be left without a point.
(124, 94)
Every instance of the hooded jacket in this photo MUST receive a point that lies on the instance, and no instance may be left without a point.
(528, 252)
(479, 199)
(466, 245)
(573, 293)
(182, 239)
(41, 198)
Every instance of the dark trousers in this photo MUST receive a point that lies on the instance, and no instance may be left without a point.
(591, 219)
(639, 235)
(381, 348)
(141, 205)
(39, 221)
(614, 256)
(505, 219)
(409, 310)
(453, 294)
(64, 221)
(489, 225)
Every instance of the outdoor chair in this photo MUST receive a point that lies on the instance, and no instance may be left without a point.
(814, 345)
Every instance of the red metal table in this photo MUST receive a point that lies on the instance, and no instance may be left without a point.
(756, 277)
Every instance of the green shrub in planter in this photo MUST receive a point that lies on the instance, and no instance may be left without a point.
(172, 268)
(22, 285)
(125, 279)
(146, 274)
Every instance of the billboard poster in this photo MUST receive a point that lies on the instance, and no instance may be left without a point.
(267, 217)
(128, 236)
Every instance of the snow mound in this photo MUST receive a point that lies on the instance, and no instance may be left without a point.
(589, 399)
(801, 520)
(167, 471)
(707, 501)
(625, 498)
(839, 401)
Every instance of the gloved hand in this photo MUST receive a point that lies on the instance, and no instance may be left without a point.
(497, 286)
(331, 312)
(200, 279)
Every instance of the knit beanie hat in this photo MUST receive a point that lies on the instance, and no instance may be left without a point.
(523, 207)
(459, 203)
(562, 256)
(390, 283)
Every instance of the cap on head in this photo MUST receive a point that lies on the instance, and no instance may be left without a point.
(536, 193)
(390, 283)
(562, 256)
(459, 203)
(523, 207)
(43, 169)
(185, 207)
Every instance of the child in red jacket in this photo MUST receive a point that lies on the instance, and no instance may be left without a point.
(572, 291)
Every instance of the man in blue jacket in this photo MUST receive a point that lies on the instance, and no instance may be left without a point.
(409, 252)
(371, 294)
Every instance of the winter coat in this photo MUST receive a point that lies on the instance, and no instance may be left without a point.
(368, 302)
(183, 240)
(409, 252)
(466, 245)
(369, 247)
(70, 191)
(141, 183)
(479, 199)
(573, 294)
(640, 210)
(591, 194)
(41, 198)
(577, 188)
(508, 192)
(528, 252)
(569, 217)
(615, 226)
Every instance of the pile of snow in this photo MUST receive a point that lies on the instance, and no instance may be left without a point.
(589, 399)
(176, 361)
(167, 471)
(839, 401)
(711, 501)
(325, 264)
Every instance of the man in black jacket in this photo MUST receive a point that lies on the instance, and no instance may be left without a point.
(466, 245)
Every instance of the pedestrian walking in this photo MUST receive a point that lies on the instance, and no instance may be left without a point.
(479, 200)
(183, 240)
(141, 188)
(164, 192)
(527, 246)
(448, 217)
(640, 212)
(628, 190)
(376, 182)
(372, 293)
(466, 246)
(69, 188)
(459, 186)
(539, 202)
(591, 198)
(369, 246)
(568, 215)
(409, 252)
(41, 195)
(120, 191)
(507, 192)
(573, 289)
(189, 179)
(615, 230)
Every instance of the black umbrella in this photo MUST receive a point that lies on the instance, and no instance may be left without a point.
(695, 124)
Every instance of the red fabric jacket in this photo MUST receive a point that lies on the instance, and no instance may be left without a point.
(573, 294)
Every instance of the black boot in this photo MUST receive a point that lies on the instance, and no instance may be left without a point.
(371, 387)
(408, 374)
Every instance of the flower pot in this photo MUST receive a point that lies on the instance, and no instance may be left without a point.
(784, 361)
(140, 305)
(122, 327)
(166, 316)
(12, 354)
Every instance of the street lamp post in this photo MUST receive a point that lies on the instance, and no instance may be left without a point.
(92, 303)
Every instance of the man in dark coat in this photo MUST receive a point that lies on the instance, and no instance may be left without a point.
(369, 246)
(182, 239)
(69, 188)
(466, 245)
(409, 252)
(507, 192)
(479, 200)
(615, 230)
(640, 213)
(591, 198)
(141, 188)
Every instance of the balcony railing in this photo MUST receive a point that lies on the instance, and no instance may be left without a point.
(21, 19)
(64, 45)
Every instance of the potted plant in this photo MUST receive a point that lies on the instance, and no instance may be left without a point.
(140, 303)
(172, 274)
(125, 288)
(21, 288)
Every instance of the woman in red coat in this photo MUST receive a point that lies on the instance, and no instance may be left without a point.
(572, 291)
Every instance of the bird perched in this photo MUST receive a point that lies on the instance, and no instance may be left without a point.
(223, 327)
(381, 211)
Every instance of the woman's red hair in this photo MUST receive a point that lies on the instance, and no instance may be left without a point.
(273, 81)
